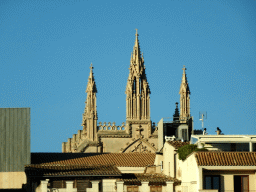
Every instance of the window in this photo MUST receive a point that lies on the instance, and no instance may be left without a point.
(155, 188)
(212, 182)
(241, 183)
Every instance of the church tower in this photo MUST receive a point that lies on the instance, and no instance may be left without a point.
(90, 117)
(138, 94)
(184, 98)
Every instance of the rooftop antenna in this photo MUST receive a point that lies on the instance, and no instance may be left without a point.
(202, 117)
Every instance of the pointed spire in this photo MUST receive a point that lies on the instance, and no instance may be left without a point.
(184, 74)
(90, 116)
(184, 83)
(136, 39)
(91, 78)
(91, 73)
(184, 97)
(91, 86)
(137, 89)
(136, 58)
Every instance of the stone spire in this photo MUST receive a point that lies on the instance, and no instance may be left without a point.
(184, 97)
(137, 89)
(91, 86)
(176, 114)
(89, 122)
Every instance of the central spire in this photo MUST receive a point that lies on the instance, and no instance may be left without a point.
(137, 90)
(91, 86)
(136, 58)
(137, 40)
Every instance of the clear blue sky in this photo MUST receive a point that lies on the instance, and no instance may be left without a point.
(46, 48)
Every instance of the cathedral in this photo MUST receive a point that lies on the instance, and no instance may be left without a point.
(138, 134)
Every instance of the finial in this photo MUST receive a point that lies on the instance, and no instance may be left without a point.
(136, 32)
(91, 67)
(176, 104)
(184, 68)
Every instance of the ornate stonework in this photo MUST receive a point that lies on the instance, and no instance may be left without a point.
(137, 89)
(184, 97)
(90, 117)
(107, 137)
(138, 134)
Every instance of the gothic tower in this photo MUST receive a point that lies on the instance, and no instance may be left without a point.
(138, 94)
(90, 117)
(184, 98)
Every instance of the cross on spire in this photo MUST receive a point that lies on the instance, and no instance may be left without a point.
(184, 68)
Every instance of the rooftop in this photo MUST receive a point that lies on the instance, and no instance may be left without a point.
(72, 170)
(118, 159)
(217, 158)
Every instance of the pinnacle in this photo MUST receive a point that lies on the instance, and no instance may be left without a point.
(136, 33)
(184, 78)
(91, 67)
(91, 82)
(136, 39)
(184, 82)
(136, 58)
(91, 73)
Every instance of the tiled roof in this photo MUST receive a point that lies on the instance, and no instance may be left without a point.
(72, 170)
(118, 159)
(177, 144)
(157, 178)
(39, 158)
(216, 158)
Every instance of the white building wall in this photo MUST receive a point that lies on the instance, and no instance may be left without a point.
(131, 169)
(168, 160)
(108, 185)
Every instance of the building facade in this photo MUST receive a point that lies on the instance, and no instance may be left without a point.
(14, 146)
(113, 172)
(138, 133)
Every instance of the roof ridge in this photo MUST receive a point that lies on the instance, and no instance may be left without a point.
(119, 159)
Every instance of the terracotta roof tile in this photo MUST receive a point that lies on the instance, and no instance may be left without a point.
(39, 158)
(177, 144)
(72, 170)
(118, 159)
(217, 158)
